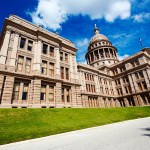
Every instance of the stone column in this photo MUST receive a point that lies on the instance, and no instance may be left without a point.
(134, 82)
(78, 97)
(148, 72)
(76, 71)
(109, 53)
(71, 69)
(73, 96)
(117, 103)
(94, 55)
(58, 93)
(47, 94)
(13, 58)
(57, 62)
(140, 100)
(135, 100)
(20, 92)
(7, 91)
(99, 54)
(37, 57)
(104, 53)
(65, 97)
(1, 85)
(90, 57)
(36, 92)
(123, 90)
(146, 79)
(99, 102)
(83, 83)
(87, 60)
(131, 83)
(97, 84)
(126, 102)
(114, 89)
(29, 94)
(113, 52)
(4, 49)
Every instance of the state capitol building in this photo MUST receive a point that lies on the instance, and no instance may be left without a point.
(38, 69)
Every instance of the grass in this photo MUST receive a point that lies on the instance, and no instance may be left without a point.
(22, 124)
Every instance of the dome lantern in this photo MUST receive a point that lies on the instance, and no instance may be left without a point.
(96, 30)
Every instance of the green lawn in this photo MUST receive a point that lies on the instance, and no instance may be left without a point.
(23, 124)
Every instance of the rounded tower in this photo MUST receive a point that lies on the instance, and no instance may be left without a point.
(100, 51)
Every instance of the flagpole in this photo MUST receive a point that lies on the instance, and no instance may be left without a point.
(140, 42)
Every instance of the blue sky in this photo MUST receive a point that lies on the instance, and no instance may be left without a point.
(122, 21)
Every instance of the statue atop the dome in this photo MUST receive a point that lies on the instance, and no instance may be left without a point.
(96, 30)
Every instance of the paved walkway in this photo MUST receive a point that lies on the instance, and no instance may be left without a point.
(128, 135)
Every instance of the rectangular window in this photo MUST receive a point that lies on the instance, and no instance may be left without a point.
(51, 93)
(144, 85)
(141, 75)
(51, 69)
(62, 95)
(61, 56)
(85, 76)
(68, 95)
(30, 45)
(101, 89)
(67, 73)
(22, 43)
(140, 86)
(25, 92)
(44, 67)
(43, 92)
(51, 51)
(94, 88)
(86, 87)
(20, 63)
(62, 72)
(45, 49)
(16, 91)
(66, 58)
(28, 65)
(88, 76)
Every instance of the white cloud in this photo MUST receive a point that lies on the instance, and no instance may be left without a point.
(52, 13)
(141, 17)
(82, 46)
(123, 57)
(82, 43)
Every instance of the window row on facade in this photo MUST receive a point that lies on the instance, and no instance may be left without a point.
(47, 49)
(47, 68)
(130, 65)
(90, 88)
(22, 91)
(104, 81)
(24, 63)
(27, 44)
(64, 57)
(106, 91)
(89, 77)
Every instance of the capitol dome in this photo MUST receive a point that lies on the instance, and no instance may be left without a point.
(97, 36)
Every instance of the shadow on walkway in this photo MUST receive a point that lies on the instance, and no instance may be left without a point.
(146, 129)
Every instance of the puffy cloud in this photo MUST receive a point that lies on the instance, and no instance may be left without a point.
(141, 17)
(82, 43)
(52, 13)
(82, 49)
(123, 56)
